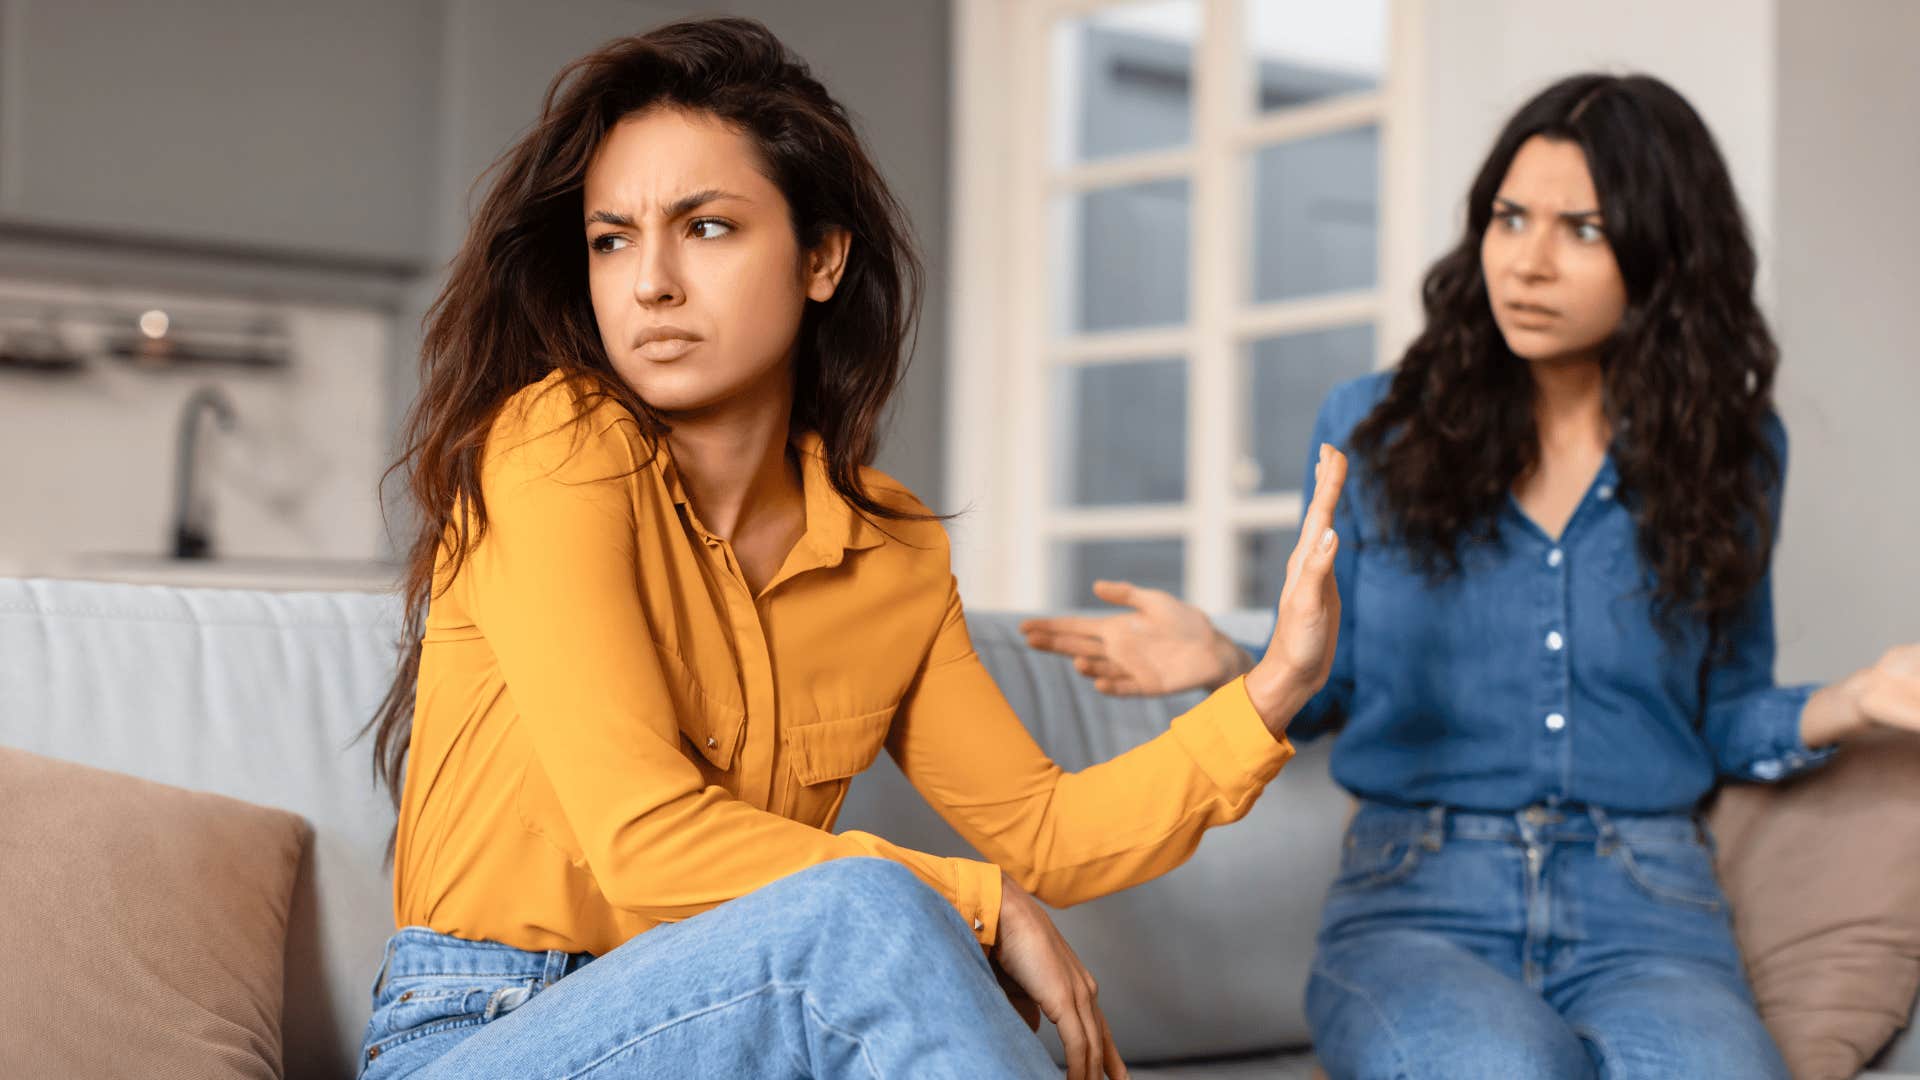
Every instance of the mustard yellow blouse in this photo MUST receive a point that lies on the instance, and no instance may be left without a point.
(612, 732)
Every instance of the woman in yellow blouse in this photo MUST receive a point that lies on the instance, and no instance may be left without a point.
(665, 613)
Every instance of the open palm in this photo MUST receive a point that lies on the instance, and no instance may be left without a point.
(1164, 645)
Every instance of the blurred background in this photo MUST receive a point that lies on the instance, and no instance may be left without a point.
(1157, 233)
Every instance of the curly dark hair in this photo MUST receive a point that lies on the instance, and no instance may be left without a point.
(516, 304)
(1688, 374)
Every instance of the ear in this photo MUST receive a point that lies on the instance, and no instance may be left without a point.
(826, 263)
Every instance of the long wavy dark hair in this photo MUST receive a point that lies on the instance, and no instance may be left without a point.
(1688, 374)
(516, 305)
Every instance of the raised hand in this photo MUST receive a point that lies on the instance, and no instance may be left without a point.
(1300, 656)
(1884, 695)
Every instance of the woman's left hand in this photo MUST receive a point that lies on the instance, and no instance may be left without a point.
(1307, 629)
(1888, 693)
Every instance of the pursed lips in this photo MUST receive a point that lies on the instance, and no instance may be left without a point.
(665, 343)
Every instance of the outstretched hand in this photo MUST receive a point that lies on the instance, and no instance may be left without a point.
(1162, 646)
(1165, 645)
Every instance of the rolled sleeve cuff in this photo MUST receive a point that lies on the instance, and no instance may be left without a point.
(1770, 746)
(977, 886)
(1228, 741)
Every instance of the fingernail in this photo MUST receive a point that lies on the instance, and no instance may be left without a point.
(1323, 451)
(1326, 540)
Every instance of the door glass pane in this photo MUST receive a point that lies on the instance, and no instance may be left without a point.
(1126, 257)
(1123, 433)
(1123, 80)
(1156, 563)
(1316, 214)
(1263, 566)
(1306, 50)
(1286, 379)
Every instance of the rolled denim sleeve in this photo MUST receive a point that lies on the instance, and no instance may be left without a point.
(1752, 724)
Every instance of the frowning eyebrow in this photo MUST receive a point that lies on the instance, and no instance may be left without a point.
(679, 208)
(1506, 205)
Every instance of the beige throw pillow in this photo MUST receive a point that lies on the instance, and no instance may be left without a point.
(1824, 876)
(144, 926)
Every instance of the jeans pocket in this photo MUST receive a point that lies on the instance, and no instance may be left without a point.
(1374, 858)
(414, 1007)
(1678, 873)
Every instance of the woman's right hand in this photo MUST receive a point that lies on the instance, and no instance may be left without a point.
(1163, 646)
(1032, 954)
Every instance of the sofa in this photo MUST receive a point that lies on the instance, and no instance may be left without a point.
(258, 696)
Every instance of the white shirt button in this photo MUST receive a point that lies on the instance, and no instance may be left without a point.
(1555, 641)
(1556, 722)
(1605, 492)
(978, 926)
(711, 741)
(1555, 557)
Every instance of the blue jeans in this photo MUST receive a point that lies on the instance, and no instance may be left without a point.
(1547, 943)
(851, 968)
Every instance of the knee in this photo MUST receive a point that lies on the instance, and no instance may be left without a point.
(856, 897)
(1413, 1013)
(1680, 1025)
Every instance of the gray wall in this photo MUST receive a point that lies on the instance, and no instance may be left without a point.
(886, 60)
(1846, 271)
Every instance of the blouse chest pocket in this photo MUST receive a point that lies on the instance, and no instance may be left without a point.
(711, 715)
(823, 756)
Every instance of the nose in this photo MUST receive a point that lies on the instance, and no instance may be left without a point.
(1533, 255)
(656, 274)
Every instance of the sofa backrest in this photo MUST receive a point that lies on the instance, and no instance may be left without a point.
(259, 696)
(255, 695)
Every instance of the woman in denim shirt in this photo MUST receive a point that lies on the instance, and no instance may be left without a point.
(1558, 628)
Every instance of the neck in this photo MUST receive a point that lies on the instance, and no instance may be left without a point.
(1569, 402)
(734, 465)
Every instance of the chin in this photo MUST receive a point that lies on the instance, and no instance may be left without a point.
(1537, 348)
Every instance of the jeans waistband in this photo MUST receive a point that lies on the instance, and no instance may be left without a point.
(1537, 824)
(417, 950)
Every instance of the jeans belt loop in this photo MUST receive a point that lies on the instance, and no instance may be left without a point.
(386, 962)
(555, 969)
(1435, 835)
(1609, 833)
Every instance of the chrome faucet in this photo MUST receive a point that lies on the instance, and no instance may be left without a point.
(192, 537)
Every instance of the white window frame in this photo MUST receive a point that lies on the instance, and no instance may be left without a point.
(1001, 355)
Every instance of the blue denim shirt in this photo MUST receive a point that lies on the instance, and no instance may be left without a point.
(1538, 673)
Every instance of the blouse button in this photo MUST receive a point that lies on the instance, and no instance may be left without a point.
(1605, 492)
(711, 741)
(1555, 557)
(1556, 722)
(1555, 641)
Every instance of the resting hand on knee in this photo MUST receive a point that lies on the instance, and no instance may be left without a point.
(1044, 969)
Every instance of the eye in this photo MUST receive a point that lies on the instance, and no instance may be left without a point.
(1510, 220)
(709, 228)
(1589, 233)
(607, 242)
